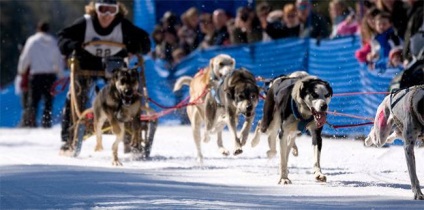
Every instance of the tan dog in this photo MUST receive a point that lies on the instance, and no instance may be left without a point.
(200, 84)
(118, 103)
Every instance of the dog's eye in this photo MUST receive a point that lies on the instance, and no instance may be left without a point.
(314, 95)
(122, 81)
(221, 64)
(327, 95)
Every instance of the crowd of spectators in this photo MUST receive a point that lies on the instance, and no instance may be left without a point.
(385, 29)
(383, 25)
(175, 37)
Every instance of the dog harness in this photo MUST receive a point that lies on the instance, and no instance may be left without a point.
(394, 103)
(215, 90)
(301, 125)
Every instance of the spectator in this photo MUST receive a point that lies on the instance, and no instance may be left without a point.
(385, 40)
(177, 55)
(247, 27)
(314, 25)
(289, 26)
(348, 27)
(22, 89)
(221, 35)
(170, 20)
(397, 12)
(104, 20)
(367, 31)
(190, 35)
(339, 11)
(208, 29)
(42, 55)
(415, 17)
(262, 11)
(362, 7)
(169, 44)
(395, 58)
(157, 37)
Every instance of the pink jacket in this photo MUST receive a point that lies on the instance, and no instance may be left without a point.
(346, 29)
(361, 53)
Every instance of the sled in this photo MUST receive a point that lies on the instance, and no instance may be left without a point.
(82, 121)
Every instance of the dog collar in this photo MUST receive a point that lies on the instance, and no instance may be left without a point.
(301, 125)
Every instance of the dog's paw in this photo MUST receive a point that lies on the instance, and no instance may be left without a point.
(66, 153)
(116, 163)
(224, 151)
(98, 148)
(134, 144)
(284, 181)
(238, 151)
(206, 138)
(320, 177)
(243, 142)
(270, 154)
(255, 140)
(418, 196)
(295, 152)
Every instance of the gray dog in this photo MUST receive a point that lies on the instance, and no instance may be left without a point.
(403, 111)
(118, 103)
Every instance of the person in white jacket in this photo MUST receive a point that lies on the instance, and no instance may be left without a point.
(42, 56)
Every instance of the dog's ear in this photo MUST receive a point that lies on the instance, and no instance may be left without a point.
(302, 89)
(134, 72)
(234, 63)
(229, 91)
(329, 88)
(115, 73)
(211, 63)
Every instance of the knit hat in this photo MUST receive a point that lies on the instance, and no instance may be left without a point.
(395, 51)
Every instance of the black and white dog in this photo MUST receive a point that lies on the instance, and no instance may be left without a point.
(294, 103)
(401, 115)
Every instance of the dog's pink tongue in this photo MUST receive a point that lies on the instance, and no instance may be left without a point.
(320, 118)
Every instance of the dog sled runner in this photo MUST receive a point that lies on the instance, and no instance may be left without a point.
(83, 120)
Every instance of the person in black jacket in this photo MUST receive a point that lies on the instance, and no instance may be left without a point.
(104, 20)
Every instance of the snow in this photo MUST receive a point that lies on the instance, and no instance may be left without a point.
(34, 176)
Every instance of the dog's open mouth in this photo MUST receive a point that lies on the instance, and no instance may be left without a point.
(248, 114)
(127, 100)
(320, 117)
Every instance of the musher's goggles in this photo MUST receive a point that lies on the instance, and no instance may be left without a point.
(105, 9)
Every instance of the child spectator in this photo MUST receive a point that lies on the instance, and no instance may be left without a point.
(367, 31)
(385, 40)
(396, 58)
(398, 14)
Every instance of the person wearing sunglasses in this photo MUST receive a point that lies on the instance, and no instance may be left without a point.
(313, 24)
(103, 20)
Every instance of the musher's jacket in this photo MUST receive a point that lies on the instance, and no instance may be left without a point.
(88, 28)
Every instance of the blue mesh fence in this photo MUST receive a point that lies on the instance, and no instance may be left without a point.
(332, 60)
